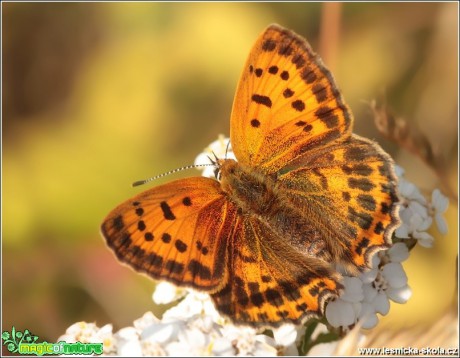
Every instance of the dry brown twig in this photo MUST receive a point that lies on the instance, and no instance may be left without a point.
(413, 140)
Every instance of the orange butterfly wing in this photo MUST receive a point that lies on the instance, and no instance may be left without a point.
(176, 231)
(270, 282)
(286, 103)
(348, 191)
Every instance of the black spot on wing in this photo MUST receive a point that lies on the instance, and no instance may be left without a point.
(273, 70)
(298, 105)
(327, 116)
(366, 202)
(187, 201)
(288, 93)
(118, 223)
(166, 238)
(269, 45)
(320, 92)
(361, 183)
(308, 75)
(274, 297)
(364, 220)
(174, 267)
(167, 213)
(255, 123)
(199, 270)
(284, 75)
(154, 260)
(141, 225)
(362, 245)
(378, 228)
(180, 245)
(263, 100)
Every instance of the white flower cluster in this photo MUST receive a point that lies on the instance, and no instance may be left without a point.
(191, 328)
(369, 293)
(417, 213)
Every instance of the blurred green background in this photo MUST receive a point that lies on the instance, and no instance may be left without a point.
(98, 95)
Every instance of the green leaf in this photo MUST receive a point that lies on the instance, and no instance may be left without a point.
(308, 343)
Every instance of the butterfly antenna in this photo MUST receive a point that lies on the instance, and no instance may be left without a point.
(142, 182)
(215, 160)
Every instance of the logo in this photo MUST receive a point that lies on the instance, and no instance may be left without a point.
(26, 343)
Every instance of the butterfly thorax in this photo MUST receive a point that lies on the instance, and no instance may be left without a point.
(251, 190)
(258, 195)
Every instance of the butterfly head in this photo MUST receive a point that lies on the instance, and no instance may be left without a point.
(218, 165)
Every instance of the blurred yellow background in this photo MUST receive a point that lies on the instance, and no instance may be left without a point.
(98, 95)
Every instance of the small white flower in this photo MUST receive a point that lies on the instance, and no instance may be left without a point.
(390, 283)
(341, 313)
(162, 332)
(410, 191)
(222, 346)
(166, 292)
(265, 346)
(399, 295)
(353, 289)
(286, 336)
(145, 321)
(105, 335)
(394, 274)
(370, 275)
(195, 303)
(344, 310)
(128, 343)
(417, 214)
(398, 252)
(248, 342)
(415, 221)
(381, 303)
(195, 339)
(439, 205)
(80, 332)
(368, 316)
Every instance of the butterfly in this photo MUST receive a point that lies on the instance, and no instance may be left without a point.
(304, 197)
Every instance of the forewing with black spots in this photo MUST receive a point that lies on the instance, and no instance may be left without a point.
(286, 103)
(177, 232)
